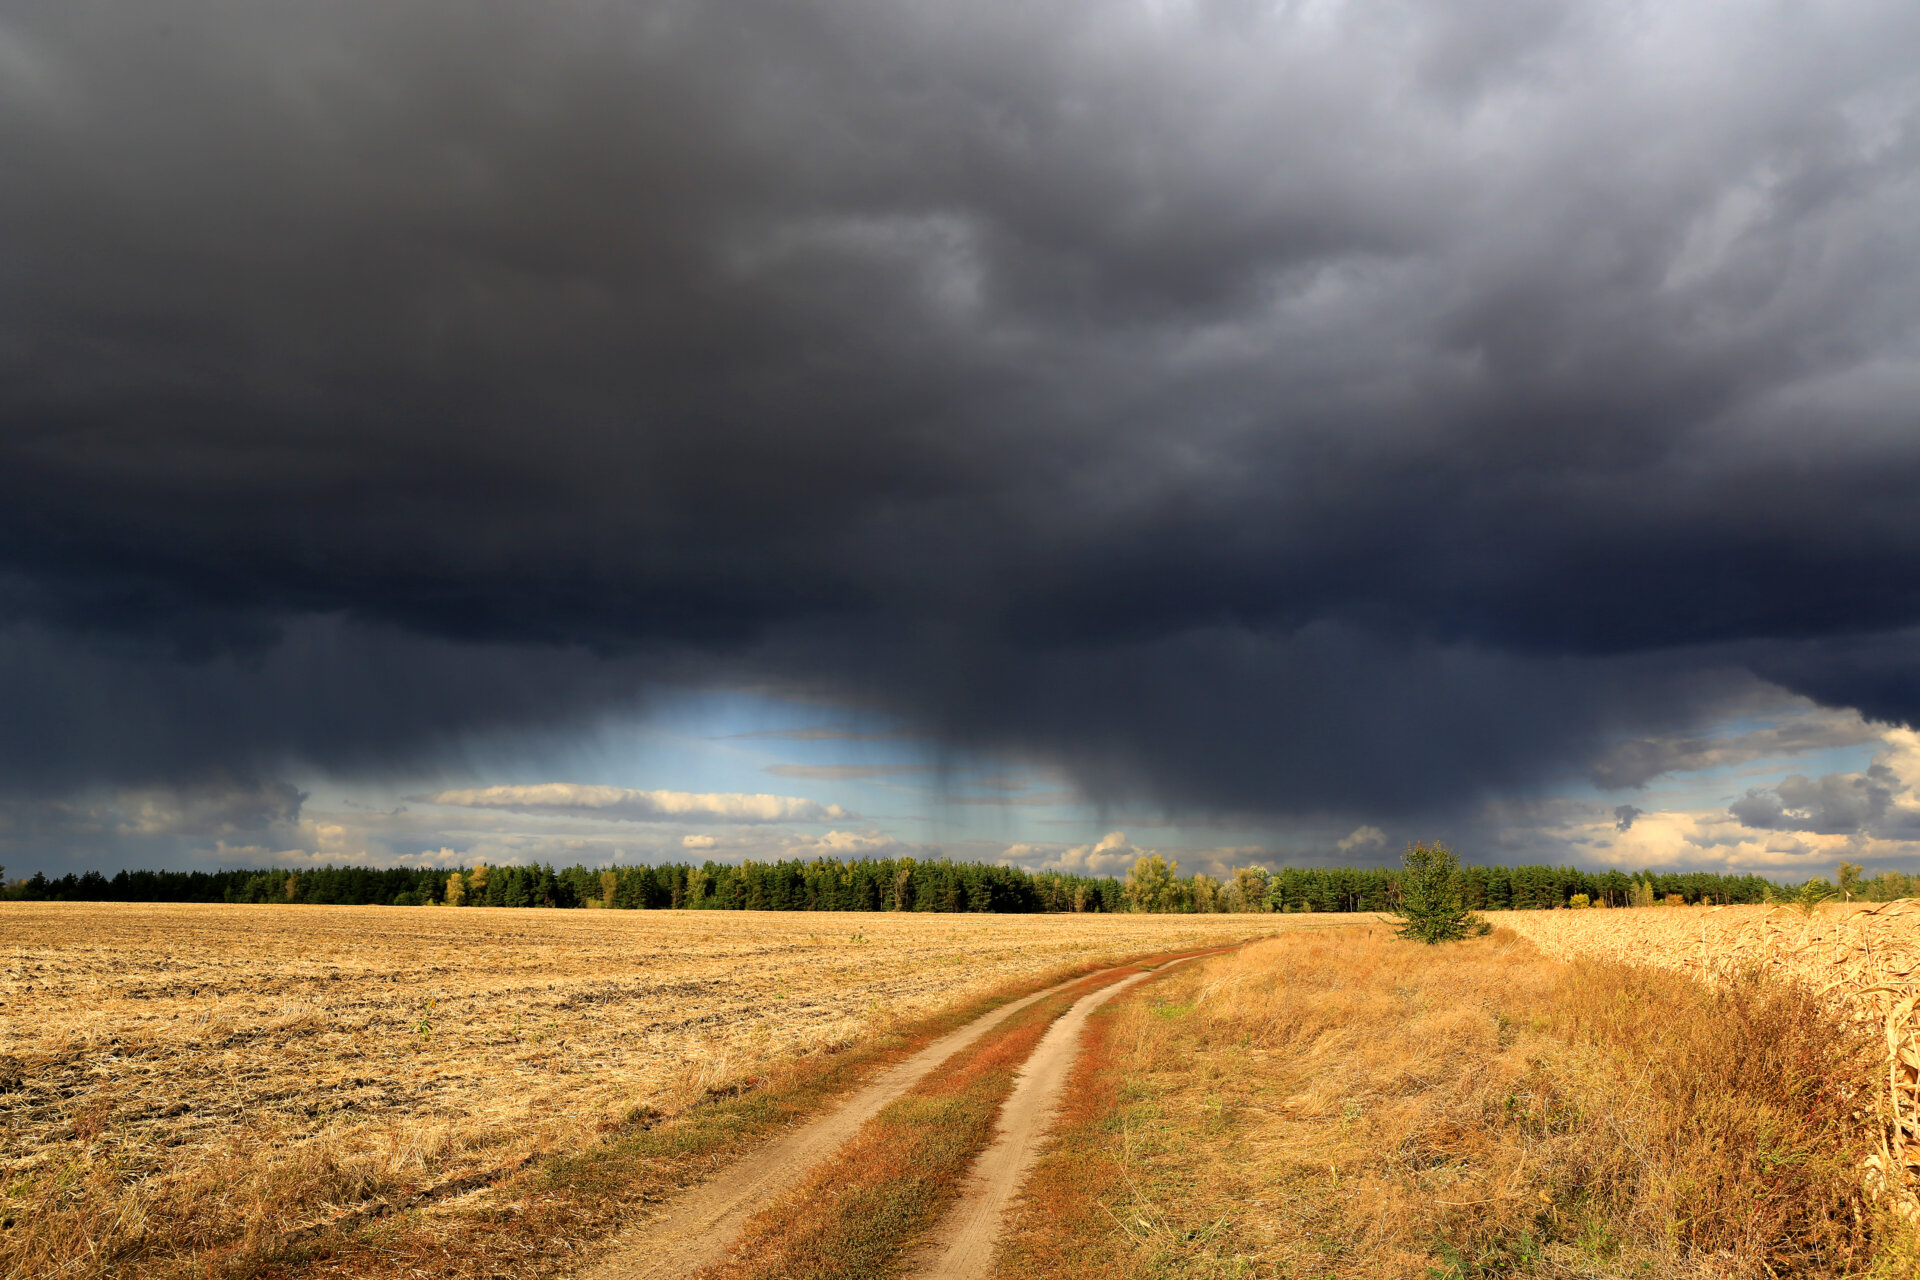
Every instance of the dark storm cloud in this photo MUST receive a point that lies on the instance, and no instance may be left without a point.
(352, 697)
(149, 825)
(1252, 408)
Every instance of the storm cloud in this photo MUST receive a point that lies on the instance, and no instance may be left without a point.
(1836, 804)
(1240, 408)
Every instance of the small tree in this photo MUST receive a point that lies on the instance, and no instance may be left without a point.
(1848, 875)
(456, 889)
(1431, 907)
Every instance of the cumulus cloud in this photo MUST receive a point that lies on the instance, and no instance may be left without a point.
(698, 842)
(1112, 854)
(1794, 826)
(1362, 838)
(848, 845)
(1836, 804)
(641, 806)
(1637, 762)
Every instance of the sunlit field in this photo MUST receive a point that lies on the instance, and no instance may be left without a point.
(1359, 1106)
(183, 1081)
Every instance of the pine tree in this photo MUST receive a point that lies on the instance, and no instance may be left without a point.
(1431, 908)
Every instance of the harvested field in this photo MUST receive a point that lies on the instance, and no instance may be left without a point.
(157, 1060)
(1864, 957)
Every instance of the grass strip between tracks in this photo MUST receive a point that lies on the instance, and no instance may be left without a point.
(854, 1217)
(548, 1218)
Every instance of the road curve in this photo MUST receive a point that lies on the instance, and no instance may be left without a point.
(693, 1231)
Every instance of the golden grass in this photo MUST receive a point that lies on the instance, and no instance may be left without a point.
(1350, 1105)
(1863, 958)
(188, 1088)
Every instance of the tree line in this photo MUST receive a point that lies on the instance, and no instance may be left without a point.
(868, 884)
(907, 884)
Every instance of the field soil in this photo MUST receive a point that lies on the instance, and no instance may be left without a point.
(162, 1066)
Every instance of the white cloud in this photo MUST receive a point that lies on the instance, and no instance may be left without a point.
(1362, 838)
(642, 806)
(1113, 854)
(698, 842)
(846, 844)
(1795, 827)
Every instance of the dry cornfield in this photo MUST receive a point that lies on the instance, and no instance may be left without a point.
(278, 1068)
(1866, 958)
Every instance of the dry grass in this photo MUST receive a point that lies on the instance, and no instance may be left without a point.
(191, 1088)
(1349, 1105)
(1864, 959)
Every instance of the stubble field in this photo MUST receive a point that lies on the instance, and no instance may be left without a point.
(277, 1069)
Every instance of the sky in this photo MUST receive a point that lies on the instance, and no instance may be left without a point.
(1259, 433)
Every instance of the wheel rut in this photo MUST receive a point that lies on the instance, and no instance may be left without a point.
(962, 1246)
(692, 1232)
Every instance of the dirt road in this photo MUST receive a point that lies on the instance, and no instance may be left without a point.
(693, 1232)
(962, 1247)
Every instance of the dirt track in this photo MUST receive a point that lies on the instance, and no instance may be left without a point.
(962, 1247)
(693, 1232)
